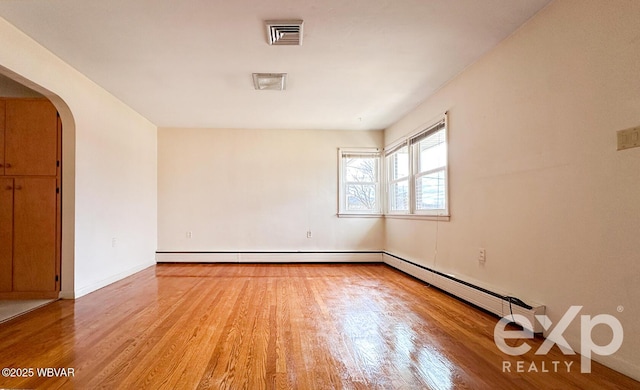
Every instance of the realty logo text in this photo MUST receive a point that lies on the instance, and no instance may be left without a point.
(587, 345)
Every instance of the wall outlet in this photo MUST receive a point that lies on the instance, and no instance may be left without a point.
(114, 242)
(308, 233)
(482, 256)
(189, 234)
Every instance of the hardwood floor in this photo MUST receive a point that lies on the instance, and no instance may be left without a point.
(222, 326)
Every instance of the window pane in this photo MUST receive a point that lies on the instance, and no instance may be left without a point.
(361, 197)
(399, 164)
(432, 152)
(399, 199)
(362, 169)
(430, 191)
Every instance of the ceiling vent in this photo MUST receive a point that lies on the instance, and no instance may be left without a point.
(269, 81)
(284, 32)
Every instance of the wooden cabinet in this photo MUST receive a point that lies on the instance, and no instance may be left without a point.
(2, 115)
(31, 137)
(29, 199)
(6, 234)
(34, 234)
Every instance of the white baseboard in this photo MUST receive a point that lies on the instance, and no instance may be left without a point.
(67, 294)
(269, 257)
(105, 282)
(625, 367)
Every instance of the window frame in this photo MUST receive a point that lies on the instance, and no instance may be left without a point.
(390, 181)
(343, 183)
(412, 142)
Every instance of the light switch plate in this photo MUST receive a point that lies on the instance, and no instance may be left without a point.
(629, 138)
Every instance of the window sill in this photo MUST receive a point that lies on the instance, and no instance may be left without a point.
(440, 218)
(344, 215)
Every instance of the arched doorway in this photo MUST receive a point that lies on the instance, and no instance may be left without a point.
(13, 84)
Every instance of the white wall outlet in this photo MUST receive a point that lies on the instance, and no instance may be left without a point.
(482, 256)
(308, 233)
(189, 234)
(114, 242)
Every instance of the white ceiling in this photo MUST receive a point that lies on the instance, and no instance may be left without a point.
(363, 63)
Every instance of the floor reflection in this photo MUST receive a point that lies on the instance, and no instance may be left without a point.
(387, 346)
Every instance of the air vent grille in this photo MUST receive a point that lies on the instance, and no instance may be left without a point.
(284, 32)
(269, 81)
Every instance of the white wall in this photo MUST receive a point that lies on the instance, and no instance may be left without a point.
(109, 168)
(257, 190)
(12, 89)
(535, 177)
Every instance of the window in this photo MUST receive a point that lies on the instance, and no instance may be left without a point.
(359, 181)
(398, 170)
(430, 162)
(417, 173)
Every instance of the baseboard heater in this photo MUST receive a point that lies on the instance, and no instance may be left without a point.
(498, 304)
(270, 257)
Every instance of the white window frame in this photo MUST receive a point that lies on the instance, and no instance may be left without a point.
(390, 181)
(412, 141)
(343, 153)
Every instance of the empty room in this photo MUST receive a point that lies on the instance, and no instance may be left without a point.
(320, 194)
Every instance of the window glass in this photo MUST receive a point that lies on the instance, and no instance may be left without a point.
(430, 191)
(359, 187)
(417, 173)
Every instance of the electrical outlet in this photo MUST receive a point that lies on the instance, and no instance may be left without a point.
(308, 233)
(189, 234)
(114, 242)
(482, 256)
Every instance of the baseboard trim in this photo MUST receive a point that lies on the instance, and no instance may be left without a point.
(270, 257)
(112, 279)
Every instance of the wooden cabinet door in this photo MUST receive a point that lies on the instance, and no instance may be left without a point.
(6, 234)
(34, 234)
(2, 104)
(31, 137)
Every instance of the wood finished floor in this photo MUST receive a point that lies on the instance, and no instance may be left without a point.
(273, 327)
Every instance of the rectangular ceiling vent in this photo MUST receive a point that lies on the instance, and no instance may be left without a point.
(269, 81)
(284, 32)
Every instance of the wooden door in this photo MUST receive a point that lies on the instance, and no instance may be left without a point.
(6, 234)
(34, 234)
(31, 137)
(2, 104)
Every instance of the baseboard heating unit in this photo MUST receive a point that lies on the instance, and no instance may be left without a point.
(498, 304)
(270, 257)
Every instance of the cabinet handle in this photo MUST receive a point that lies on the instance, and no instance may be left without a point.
(0, 165)
(7, 165)
(8, 188)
